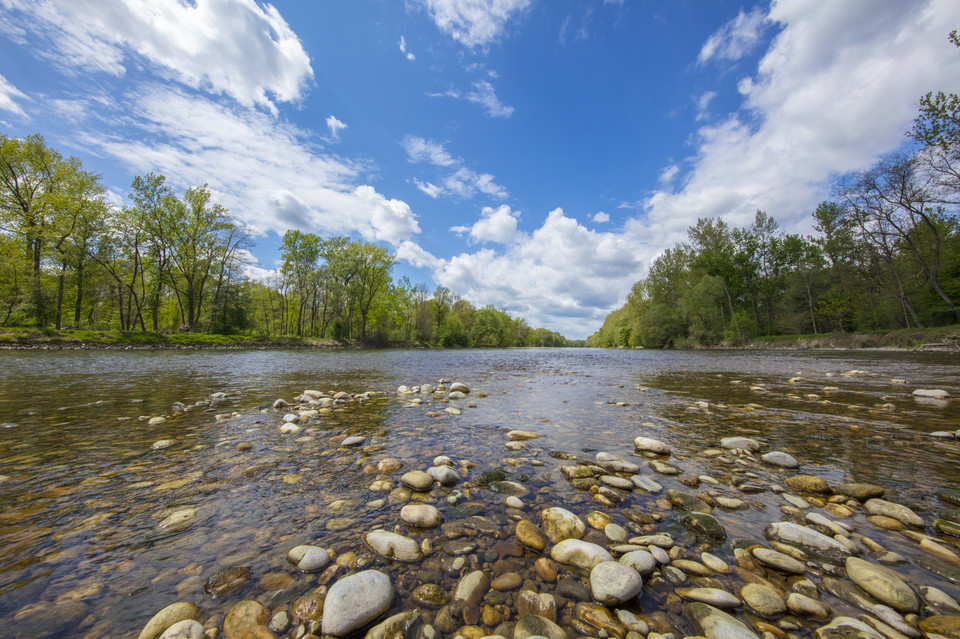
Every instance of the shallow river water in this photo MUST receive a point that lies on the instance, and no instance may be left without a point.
(83, 489)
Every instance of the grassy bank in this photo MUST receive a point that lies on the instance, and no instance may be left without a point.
(942, 338)
(71, 339)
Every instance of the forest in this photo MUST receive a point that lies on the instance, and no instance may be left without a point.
(174, 263)
(885, 254)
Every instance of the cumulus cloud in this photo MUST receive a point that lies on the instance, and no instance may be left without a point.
(335, 126)
(600, 217)
(495, 225)
(460, 181)
(484, 94)
(736, 38)
(562, 275)
(403, 49)
(237, 48)
(668, 174)
(266, 172)
(473, 22)
(837, 87)
(9, 95)
(703, 103)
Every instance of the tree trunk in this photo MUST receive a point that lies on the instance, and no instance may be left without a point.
(63, 271)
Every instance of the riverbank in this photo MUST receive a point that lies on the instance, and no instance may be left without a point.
(940, 339)
(51, 339)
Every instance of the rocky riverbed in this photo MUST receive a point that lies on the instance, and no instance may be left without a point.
(418, 532)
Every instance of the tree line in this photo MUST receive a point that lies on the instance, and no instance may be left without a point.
(885, 254)
(169, 262)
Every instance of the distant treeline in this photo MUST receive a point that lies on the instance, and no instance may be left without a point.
(885, 255)
(175, 263)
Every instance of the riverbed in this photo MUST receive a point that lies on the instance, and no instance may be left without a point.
(99, 449)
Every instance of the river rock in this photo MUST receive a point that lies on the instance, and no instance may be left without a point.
(471, 588)
(614, 463)
(396, 626)
(601, 618)
(808, 484)
(846, 628)
(422, 515)
(781, 459)
(186, 629)
(560, 523)
(444, 475)
(807, 539)
(780, 561)
(940, 600)
(530, 536)
(242, 617)
(455, 395)
(800, 604)
(713, 596)
(430, 596)
(536, 626)
(309, 558)
(883, 584)
(613, 583)
(522, 435)
(459, 387)
(716, 624)
(507, 581)
(646, 444)
(617, 482)
(744, 443)
(532, 603)
(762, 600)
(175, 612)
(896, 511)
(579, 553)
(935, 393)
(178, 521)
(163, 443)
(645, 482)
(860, 491)
(640, 560)
(355, 601)
(417, 480)
(227, 580)
(943, 625)
(686, 501)
(393, 545)
(703, 524)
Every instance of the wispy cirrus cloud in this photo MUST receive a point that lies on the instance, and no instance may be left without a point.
(458, 179)
(736, 38)
(473, 23)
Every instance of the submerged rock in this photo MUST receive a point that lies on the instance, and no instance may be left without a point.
(883, 584)
(716, 624)
(355, 601)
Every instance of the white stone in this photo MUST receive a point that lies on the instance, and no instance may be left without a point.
(640, 560)
(651, 445)
(613, 583)
(393, 545)
(355, 601)
(579, 553)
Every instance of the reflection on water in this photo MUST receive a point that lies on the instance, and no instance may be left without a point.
(83, 488)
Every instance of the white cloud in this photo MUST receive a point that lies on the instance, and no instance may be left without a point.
(461, 181)
(403, 49)
(600, 217)
(266, 172)
(335, 126)
(736, 38)
(422, 150)
(668, 173)
(9, 95)
(703, 103)
(234, 47)
(838, 87)
(473, 22)
(495, 225)
(562, 275)
(484, 95)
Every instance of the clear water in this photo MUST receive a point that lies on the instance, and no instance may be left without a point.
(84, 490)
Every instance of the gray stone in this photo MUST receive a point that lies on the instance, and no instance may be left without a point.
(716, 624)
(186, 629)
(168, 616)
(780, 458)
(393, 545)
(355, 601)
(896, 511)
(613, 583)
(355, 440)
(579, 553)
(309, 558)
(647, 444)
(883, 584)
(846, 628)
(645, 482)
(807, 539)
(713, 596)
(762, 600)
(536, 626)
(422, 515)
(640, 560)
(444, 475)
(471, 588)
(800, 604)
(780, 561)
(935, 393)
(740, 442)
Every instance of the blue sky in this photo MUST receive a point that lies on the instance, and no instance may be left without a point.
(531, 154)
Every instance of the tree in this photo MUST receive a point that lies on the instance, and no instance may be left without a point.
(938, 124)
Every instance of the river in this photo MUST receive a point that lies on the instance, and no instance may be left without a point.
(82, 488)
